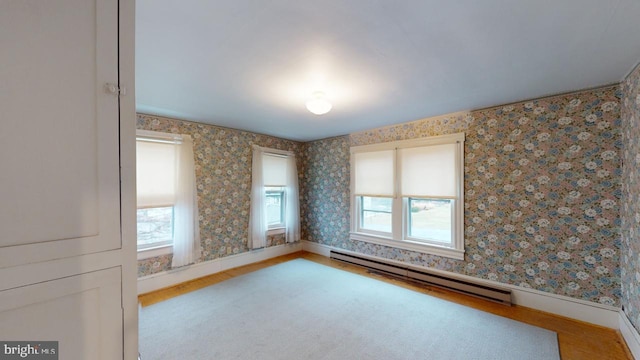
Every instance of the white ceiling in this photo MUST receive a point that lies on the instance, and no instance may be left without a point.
(251, 65)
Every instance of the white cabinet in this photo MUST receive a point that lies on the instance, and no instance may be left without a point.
(67, 193)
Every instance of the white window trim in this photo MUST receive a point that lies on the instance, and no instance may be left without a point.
(160, 136)
(155, 251)
(398, 238)
(276, 231)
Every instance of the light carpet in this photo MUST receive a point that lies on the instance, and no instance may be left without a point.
(303, 310)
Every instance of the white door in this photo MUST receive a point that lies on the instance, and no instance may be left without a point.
(65, 256)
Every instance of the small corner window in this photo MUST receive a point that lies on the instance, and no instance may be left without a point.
(274, 197)
(275, 180)
(409, 194)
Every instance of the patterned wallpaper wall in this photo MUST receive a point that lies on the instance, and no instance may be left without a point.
(542, 193)
(324, 208)
(630, 259)
(223, 178)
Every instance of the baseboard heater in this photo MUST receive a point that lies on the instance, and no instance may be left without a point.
(495, 294)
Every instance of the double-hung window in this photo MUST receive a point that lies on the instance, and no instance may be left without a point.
(274, 196)
(156, 184)
(410, 194)
(167, 197)
(275, 170)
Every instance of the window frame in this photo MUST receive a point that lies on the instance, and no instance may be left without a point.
(408, 213)
(398, 238)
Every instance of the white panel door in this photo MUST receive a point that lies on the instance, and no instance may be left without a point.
(59, 183)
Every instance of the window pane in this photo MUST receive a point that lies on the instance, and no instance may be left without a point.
(375, 213)
(430, 219)
(274, 205)
(155, 227)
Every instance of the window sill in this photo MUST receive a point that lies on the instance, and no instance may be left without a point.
(410, 245)
(275, 231)
(155, 251)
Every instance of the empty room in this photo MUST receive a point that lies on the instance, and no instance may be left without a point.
(320, 180)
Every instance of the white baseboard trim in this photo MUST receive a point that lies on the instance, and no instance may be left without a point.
(577, 309)
(630, 335)
(176, 276)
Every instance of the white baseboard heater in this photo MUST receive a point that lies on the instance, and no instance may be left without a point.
(495, 294)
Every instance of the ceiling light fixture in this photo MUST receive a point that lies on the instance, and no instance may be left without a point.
(318, 104)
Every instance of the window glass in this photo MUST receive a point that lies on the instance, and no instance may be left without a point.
(430, 219)
(275, 206)
(155, 227)
(375, 213)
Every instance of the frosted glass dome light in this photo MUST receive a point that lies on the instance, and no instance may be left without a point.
(318, 104)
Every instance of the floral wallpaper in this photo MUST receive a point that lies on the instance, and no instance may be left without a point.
(154, 265)
(324, 207)
(542, 193)
(630, 214)
(223, 178)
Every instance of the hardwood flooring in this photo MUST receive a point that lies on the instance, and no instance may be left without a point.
(578, 340)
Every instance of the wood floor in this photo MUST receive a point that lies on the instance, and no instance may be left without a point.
(577, 340)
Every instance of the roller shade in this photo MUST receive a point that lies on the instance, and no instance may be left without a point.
(374, 173)
(155, 173)
(428, 171)
(274, 169)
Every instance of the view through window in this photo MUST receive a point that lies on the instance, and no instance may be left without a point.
(275, 206)
(155, 227)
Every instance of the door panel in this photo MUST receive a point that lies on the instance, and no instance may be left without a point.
(81, 312)
(59, 135)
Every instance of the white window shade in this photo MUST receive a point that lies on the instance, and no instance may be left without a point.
(428, 171)
(374, 173)
(274, 170)
(155, 167)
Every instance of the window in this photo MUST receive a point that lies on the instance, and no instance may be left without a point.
(409, 194)
(275, 204)
(167, 197)
(155, 177)
(274, 171)
(274, 196)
